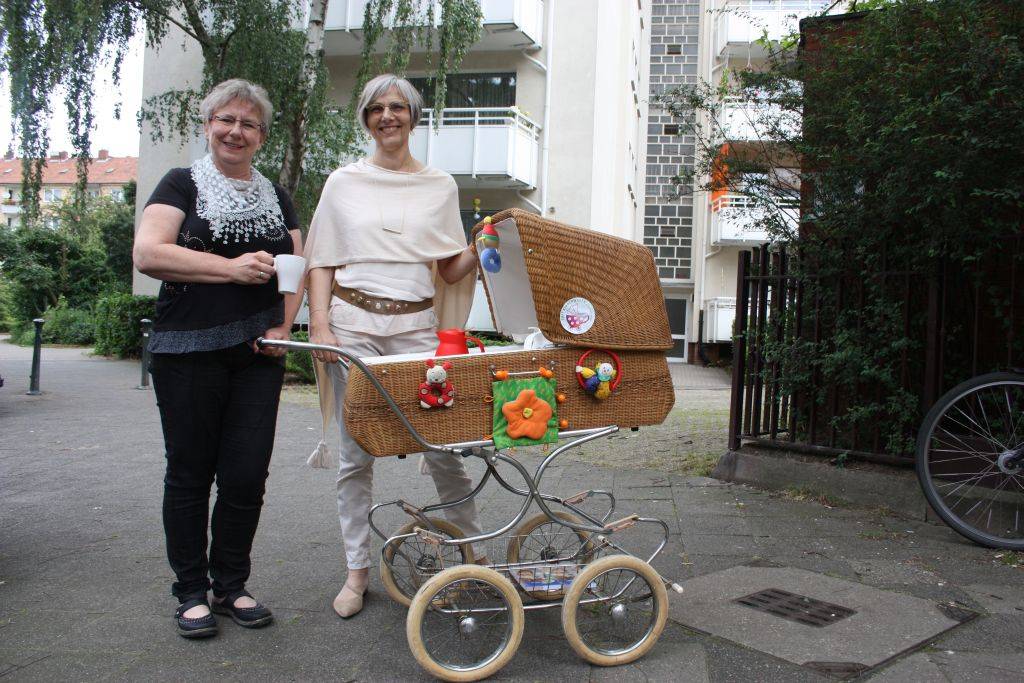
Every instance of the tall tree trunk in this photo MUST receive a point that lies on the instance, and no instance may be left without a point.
(291, 167)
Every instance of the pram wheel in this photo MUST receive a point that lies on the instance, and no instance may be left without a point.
(465, 623)
(615, 610)
(541, 539)
(409, 562)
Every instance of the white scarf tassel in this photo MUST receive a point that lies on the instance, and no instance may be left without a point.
(320, 459)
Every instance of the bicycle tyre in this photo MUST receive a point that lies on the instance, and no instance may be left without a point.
(949, 413)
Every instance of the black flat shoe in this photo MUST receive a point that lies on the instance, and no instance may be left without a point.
(249, 617)
(197, 627)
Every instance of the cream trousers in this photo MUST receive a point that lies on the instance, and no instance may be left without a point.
(355, 468)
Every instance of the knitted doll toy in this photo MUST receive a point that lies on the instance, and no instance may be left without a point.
(437, 391)
(598, 381)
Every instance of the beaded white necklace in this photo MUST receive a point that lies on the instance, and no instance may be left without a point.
(233, 212)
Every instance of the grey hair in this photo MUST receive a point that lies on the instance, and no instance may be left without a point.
(378, 87)
(237, 89)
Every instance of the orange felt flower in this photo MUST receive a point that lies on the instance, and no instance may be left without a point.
(527, 415)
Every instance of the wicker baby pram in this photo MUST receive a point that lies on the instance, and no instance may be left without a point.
(545, 265)
(598, 303)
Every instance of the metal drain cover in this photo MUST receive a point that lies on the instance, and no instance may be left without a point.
(870, 626)
(798, 608)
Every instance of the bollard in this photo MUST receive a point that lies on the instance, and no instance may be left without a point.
(147, 325)
(33, 382)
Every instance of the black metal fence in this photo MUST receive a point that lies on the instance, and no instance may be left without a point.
(957, 325)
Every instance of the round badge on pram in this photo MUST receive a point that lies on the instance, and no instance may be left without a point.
(577, 315)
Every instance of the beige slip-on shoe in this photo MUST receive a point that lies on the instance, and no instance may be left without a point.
(348, 603)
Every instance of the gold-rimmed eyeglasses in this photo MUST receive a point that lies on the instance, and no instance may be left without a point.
(247, 125)
(396, 108)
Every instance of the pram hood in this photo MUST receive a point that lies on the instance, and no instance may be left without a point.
(579, 287)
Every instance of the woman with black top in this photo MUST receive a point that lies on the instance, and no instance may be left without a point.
(211, 232)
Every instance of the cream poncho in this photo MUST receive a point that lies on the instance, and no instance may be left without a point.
(369, 214)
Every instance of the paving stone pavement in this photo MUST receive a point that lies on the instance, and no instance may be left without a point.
(84, 582)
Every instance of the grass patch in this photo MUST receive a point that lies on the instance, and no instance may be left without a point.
(690, 441)
(1010, 558)
(698, 464)
(807, 495)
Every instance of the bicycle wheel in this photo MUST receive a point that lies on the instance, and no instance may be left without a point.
(615, 610)
(407, 563)
(968, 459)
(465, 623)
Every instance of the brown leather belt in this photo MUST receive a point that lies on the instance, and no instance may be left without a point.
(377, 304)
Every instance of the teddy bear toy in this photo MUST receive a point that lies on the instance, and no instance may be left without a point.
(437, 391)
(598, 381)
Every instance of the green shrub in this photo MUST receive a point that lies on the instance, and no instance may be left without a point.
(22, 332)
(66, 325)
(42, 265)
(7, 319)
(300, 363)
(117, 327)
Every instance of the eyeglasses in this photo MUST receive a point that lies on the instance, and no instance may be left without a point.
(395, 108)
(230, 121)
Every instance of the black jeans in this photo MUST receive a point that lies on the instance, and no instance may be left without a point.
(219, 411)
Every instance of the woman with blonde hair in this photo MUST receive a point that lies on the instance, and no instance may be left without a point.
(388, 263)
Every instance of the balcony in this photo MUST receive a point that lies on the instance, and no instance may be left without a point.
(741, 22)
(736, 220)
(719, 314)
(507, 25)
(490, 148)
(744, 121)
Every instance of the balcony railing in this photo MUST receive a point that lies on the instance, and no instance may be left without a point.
(741, 22)
(719, 315)
(752, 121)
(507, 25)
(494, 147)
(738, 219)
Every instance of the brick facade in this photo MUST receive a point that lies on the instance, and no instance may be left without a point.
(668, 221)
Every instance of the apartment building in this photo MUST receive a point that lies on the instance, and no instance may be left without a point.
(731, 39)
(553, 111)
(107, 177)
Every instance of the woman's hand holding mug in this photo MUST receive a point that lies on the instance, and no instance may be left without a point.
(252, 268)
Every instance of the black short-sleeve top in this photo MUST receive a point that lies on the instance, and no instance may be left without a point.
(194, 316)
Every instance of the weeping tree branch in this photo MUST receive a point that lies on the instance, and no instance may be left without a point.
(291, 167)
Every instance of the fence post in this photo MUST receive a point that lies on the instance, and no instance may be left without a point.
(739, 361)
(37, 350)
(147, 326)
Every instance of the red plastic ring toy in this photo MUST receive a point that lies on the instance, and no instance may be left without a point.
(618, 367)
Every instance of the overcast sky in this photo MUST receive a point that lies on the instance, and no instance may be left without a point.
(120, 137)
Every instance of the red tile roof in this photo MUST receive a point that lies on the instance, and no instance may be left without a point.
(102, 171)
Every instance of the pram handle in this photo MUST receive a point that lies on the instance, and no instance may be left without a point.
(347, 360)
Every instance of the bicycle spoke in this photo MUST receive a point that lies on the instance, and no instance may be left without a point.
(988, 437)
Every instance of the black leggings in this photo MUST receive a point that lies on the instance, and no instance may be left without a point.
(219, 411)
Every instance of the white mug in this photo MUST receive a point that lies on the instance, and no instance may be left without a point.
(289, 270)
